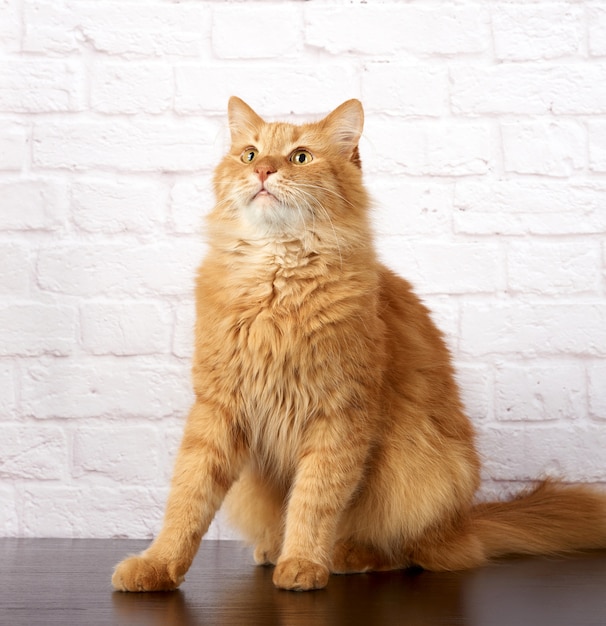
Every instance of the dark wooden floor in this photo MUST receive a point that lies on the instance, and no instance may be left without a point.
(59, 581)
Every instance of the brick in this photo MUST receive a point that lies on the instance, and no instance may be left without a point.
(476, 384)
(32, 204)
(126, 328)
(118, 205)
(137, 145)
(99, 511)
(553, 391)
(9, 514)
(597, 146)
(124, 454)
(458, 150)
(446, 268)
(132, 88)
(578, 89)
(529, 88)
(15, 269)
(279, 31)
(573, 452)
(34, 329)
(404, 207)
(546, 147)
(499, 490)
(429, 149)
(385, 29)
(172, 435)
(115, 28)
(165, 268)
(33, 452)
(92, 511)
(51, 27)
(13, 146)
(553, 267)
(7, 391)
(536, 31)
(531, 328)
(183, 341)
(596, 21)
(361, 30)
(250, 82)
(10, 26)
(597, 390)
(518, 207)
(406, 90)
(108, 387)
(40, 86)
(190, 201)
(444, 311)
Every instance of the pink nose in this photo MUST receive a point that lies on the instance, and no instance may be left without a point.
(263, 172)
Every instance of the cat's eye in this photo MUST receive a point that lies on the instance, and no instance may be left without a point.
(249, 155)
(301, 157)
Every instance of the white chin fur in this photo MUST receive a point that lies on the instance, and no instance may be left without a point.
(268, 216)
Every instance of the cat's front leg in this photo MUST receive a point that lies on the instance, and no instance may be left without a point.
(208, 462)
(329, 472)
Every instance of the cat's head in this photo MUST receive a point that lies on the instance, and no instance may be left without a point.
(282, 179)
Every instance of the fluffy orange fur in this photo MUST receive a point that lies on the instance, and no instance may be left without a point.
(326, 409)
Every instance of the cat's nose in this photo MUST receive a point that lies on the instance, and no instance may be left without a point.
(263, 172)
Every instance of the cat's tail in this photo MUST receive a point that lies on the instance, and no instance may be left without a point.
(552, 519)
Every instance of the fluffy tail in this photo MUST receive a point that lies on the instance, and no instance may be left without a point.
(551, 519)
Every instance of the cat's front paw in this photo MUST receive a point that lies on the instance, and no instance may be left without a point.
(300, 575)
(142, 573)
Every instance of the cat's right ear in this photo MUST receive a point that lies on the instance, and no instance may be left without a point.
(243, 121)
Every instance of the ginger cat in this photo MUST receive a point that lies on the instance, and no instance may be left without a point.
(326, 407)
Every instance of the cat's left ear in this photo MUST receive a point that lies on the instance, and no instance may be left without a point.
(243, 121)
(345, 126)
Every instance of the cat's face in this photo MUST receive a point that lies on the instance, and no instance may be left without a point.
(283, 179)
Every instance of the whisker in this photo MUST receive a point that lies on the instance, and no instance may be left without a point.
(306, 197)
(329, 190)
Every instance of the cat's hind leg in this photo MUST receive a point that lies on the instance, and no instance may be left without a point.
(353, 557)
(256, 507)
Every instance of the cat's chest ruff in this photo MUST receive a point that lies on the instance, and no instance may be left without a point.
(278, 276)
(281, 297)
(280, 256)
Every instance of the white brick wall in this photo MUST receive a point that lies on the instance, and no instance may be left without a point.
(485, 151)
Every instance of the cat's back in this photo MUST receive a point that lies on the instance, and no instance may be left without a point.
(407, 317)
(420, 379)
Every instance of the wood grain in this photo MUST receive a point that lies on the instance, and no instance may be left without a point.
(66, 581)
